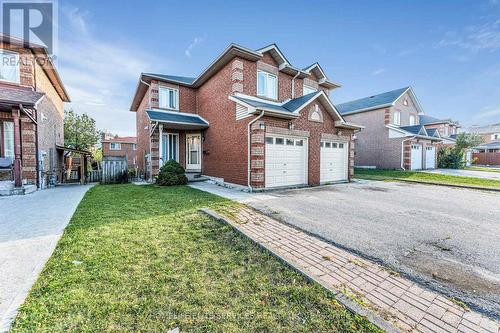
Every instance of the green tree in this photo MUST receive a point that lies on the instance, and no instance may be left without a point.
(80, 131)
(454, 157)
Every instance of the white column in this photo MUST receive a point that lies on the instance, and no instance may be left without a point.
(160, 151)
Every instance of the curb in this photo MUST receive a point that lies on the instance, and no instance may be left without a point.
(349, 304)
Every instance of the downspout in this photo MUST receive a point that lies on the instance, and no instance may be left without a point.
(403, 151)
(293, 84)
(249, 148)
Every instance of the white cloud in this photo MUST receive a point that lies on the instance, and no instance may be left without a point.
(100, 75)
(196, 41)
(475, 38)
(487, 114)
(378, 71)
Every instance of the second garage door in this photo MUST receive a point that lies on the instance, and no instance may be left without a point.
(286, 161)
(333, 161)
(430, 157)
(416, 157)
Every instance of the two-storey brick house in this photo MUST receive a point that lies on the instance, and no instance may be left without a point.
(250, 118)
(121, 146)
(393, 137)
(447, 128)
(31, 115)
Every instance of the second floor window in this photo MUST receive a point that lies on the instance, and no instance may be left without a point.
(397, 118)
(115, 146)
(308, 90)
(267, 85)
(168, 98)
(9, 66)
(412, 120)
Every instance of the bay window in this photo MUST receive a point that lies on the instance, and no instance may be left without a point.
(9, 66)
(168, 98)
(267, 85)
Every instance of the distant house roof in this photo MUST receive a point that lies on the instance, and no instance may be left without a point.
(122, 139)
(178, 120)
(491, 145)
(488, 129)
(416, 130)
(428, 120)
(371, 102)
(26, 97)
(232, 51)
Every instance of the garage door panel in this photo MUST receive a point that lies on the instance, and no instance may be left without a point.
(416, 157)
(286, 164)
(430, 157)
(333, 161)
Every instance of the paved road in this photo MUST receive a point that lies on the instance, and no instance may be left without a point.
(30, 227)
(467, 173)
(445, 238)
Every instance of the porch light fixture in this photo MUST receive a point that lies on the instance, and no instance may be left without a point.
(290, 125)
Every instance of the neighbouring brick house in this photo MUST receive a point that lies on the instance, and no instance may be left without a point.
(447, 128)
(250, 118)
(122, 147)
(489, 152)
(393, 137)
(31, 114)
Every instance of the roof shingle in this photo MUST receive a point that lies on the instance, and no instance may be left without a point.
(19, 96)
(371, 102)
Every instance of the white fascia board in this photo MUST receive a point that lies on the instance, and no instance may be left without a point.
(257, 99)
(277, 50)
(348, 125)
(193, 115)
(321, 93)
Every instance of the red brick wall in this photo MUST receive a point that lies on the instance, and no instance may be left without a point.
(127, 149)
(225, 143)
(142, 132)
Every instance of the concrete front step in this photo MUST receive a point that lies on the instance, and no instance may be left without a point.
(6, 190)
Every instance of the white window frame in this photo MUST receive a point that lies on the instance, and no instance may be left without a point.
(413, 120)
(134, 146)
(396, 118)
(166, 105)
(17, 73)
(309, 88)
(166, 152)
(118, 144)
(268, 91)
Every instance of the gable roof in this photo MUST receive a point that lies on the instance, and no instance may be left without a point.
(232, 51)
(428, 120)
(177, 118)
(323, 79)
(433, 132)
(415, 129)
(372, 102)
(289, 107)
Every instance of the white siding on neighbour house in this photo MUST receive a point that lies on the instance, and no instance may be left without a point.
(241, 111)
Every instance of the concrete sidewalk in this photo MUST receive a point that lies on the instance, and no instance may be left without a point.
(382, 295)
(30, 227)
(466, 173)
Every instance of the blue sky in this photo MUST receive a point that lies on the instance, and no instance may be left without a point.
(449, 51)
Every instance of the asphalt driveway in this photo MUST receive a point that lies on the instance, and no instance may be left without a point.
(30, 227)
(445, 238)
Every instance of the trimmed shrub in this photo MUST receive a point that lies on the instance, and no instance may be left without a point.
(450, 158)
(171, 173)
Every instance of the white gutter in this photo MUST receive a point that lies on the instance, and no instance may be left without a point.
(293, 84)
(403, 152)
(249, 163)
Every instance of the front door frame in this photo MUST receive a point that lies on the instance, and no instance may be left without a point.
(193, 167)
(165, 136)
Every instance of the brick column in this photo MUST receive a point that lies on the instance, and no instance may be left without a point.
(155, 153)
(387, 116)
(407, 155)
(237, 76)
(17, 149)
(28, 151)
(351, 157)
(257, 155)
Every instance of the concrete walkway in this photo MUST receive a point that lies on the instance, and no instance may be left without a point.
(30, 227)
(466, 173)
(386, 296)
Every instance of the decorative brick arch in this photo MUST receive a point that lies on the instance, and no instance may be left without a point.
(315, 114)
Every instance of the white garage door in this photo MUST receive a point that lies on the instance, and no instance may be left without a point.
(416, 157)
(430, 157)
(286, 161)
(333, 161)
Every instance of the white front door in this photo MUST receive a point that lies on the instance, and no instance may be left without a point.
(416, 157)
(333, 161)
(286, 161)
(193, 152)
(430, 157)
(170, 147)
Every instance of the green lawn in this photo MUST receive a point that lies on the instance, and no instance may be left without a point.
(141, 259)
(473, 168)
(377, 174)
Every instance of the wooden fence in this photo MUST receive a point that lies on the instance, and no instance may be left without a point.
(114, 170)
(94, 176)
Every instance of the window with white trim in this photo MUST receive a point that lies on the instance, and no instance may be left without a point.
(267, 85)
(306, 90)
(397, 118)
(9, 66)
(134, 146)
(168, 98)
(412, 120)
(115, 146)
(7, 139)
